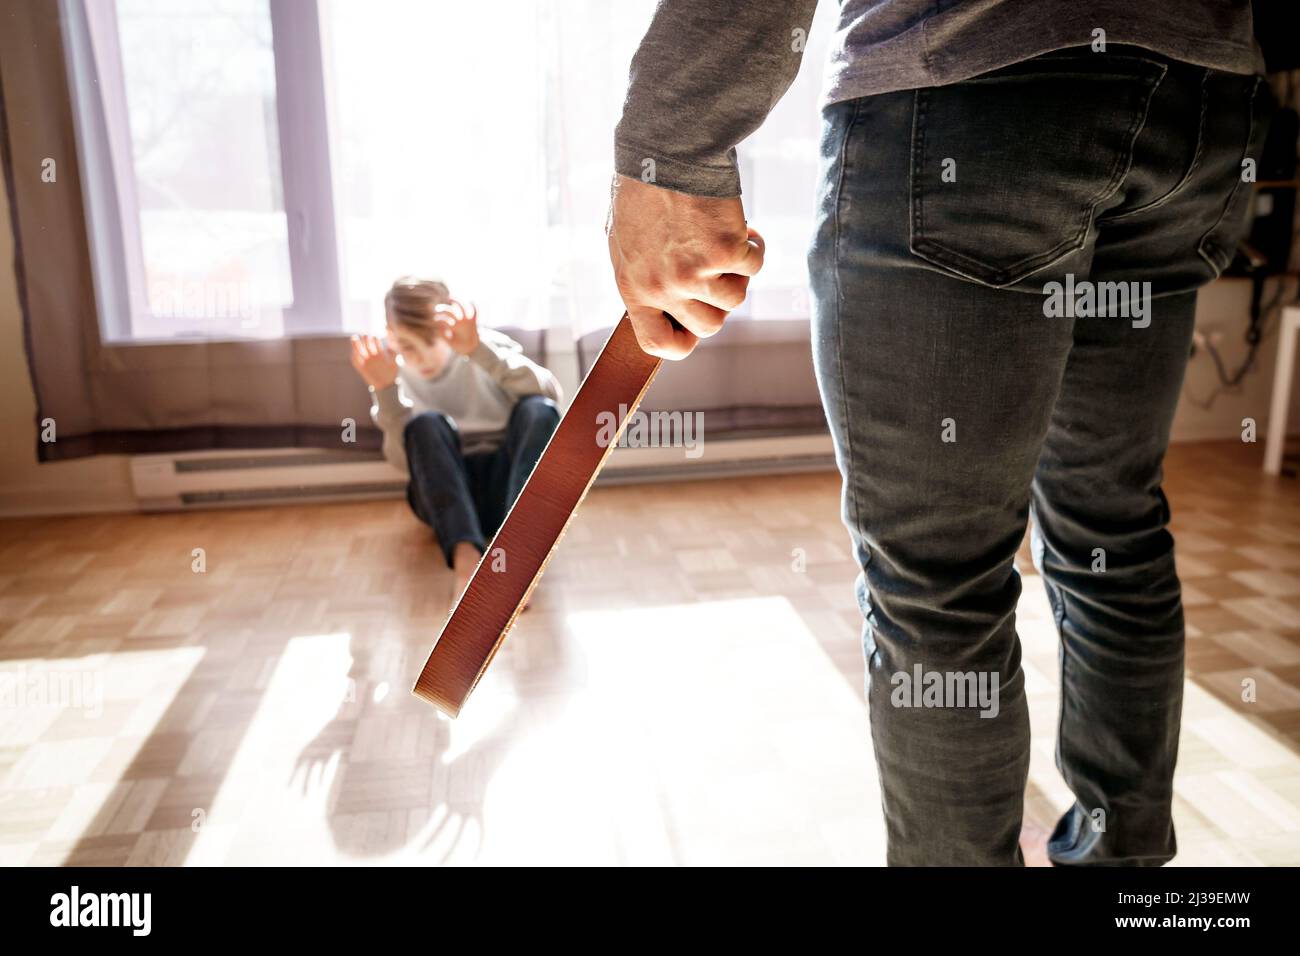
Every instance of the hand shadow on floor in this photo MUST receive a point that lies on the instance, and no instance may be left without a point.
(384, 758)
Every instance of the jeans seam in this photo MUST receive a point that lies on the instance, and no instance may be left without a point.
(839, 312)
(1058, 613)
(916, 158)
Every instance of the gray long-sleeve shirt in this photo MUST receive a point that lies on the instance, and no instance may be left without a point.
(477, 391)
(709, 71)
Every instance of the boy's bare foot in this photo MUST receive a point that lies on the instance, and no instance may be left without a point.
(465, 559)
(1033, 844)
(462, 582)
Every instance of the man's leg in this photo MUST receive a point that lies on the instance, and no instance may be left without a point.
(939, 393)
(945, 214)
(1099, 531)
(939, 414)
(439, 490)
(1100, 542)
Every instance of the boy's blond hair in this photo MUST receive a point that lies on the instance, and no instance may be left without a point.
(411, 302)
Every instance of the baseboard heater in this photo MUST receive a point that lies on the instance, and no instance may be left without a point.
(772, 454)
(230, 479)
(219, 479)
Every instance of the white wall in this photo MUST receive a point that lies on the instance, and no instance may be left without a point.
(1223, 310)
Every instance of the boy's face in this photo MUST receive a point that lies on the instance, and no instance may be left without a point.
(425, 358)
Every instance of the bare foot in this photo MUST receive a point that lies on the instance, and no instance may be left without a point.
(462, 582)
(464, 560)
(1033, 844)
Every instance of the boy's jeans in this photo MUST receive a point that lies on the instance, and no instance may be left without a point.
(958, 406)
(466, 497)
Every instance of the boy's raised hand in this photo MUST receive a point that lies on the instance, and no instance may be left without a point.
(373, 362)
(458, 325)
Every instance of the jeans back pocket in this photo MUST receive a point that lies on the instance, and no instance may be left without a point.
(1245, 113)
(1008, 168)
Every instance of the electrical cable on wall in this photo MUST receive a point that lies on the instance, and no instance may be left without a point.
(1261, 326)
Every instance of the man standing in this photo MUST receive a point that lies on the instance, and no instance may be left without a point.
(1018, 201)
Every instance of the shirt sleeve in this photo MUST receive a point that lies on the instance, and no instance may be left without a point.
(513, 372)
(391, 412)
(705, 76)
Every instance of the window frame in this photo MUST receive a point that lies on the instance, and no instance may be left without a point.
(105, 159)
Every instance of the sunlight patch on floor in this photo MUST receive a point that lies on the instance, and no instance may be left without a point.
(272, 803)
(726, 726)
(91, 716)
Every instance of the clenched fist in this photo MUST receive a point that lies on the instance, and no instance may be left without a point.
(688, 256)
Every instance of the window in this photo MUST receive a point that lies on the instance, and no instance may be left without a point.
(261, 168)
(198, 171)
(474, 142)
(200, 92)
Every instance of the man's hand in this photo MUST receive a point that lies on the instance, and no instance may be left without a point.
(373, 362)
(688, 256)
(458, 325)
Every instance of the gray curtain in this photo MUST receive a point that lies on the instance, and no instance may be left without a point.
(753, 378)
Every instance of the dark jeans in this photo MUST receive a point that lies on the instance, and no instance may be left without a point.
(958, 407)
(466, 497)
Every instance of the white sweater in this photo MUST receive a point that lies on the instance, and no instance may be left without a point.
(476, 391)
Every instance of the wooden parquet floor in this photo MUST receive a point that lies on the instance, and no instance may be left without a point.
(686, 687)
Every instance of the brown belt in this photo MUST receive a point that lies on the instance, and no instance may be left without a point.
(517, 556)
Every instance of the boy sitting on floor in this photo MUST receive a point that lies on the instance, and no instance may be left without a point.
(464, 412)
